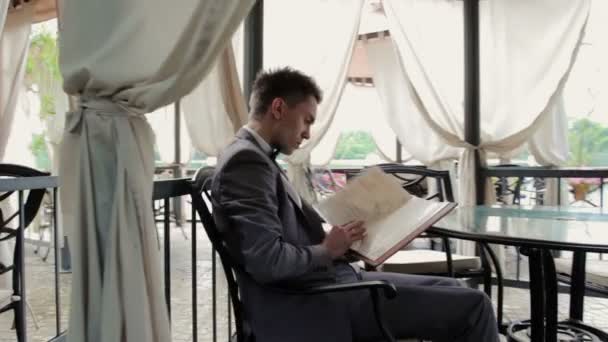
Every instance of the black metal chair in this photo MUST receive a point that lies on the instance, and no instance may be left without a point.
(596, 274)
(10, 230)
(200, 189)
(430, 261)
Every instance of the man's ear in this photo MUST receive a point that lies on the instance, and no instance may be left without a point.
(276, 108)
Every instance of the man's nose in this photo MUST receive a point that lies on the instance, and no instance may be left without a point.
(306, 134)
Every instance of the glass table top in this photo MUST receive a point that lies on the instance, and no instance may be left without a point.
(544, 226)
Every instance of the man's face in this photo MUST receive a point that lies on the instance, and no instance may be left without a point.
(294, 124)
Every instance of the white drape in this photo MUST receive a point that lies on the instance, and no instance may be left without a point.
(316, 37)
(14, 39)
(216, 108)
(401, 107)
(3, 10)
(359, 109)
(162, 122)
(55, 126)
(125, 58)
(27, 118)
(13, 54)
(527, 49)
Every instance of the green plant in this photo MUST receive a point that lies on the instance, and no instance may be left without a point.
(42, 72)
(42, 76)
(354, 145)
(587, 139)
(40, 152)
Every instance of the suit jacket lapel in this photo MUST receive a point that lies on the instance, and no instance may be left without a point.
(244, 134)
(306, 211)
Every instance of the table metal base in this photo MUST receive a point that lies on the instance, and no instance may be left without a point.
(543, 325)
(566, 332)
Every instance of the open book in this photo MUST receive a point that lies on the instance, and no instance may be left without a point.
(392, 216)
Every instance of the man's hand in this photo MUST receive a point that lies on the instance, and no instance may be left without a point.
(340, 238)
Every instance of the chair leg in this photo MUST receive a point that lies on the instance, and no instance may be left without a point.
(29, 308)
(518, 263)
(19, 322)
(487, 269)
(50, 246)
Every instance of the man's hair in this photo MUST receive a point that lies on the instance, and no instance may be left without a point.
(287, 83)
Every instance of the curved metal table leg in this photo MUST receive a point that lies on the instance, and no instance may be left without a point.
(543, 325)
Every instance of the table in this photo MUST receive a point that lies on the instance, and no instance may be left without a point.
(537, 230)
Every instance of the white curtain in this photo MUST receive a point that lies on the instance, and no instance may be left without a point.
(401, 107)
(14, 43)
(527, 49)
(14, 39)
(27, 123)
(124, 59)
(316, 37)
(210, 114)
(162, 121)
(55, 125)
(359, 109)
(216, 108)
(3, 10)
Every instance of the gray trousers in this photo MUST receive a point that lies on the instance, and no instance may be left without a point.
(430, 308)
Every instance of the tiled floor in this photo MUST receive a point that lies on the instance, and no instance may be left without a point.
(40, 285)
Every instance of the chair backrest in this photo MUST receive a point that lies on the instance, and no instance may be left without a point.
(413, 179)
(34, 198)
(30, 210)
(324, 181)
(200, 191)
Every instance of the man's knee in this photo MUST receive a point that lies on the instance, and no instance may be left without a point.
(484, 303)
(445, 281)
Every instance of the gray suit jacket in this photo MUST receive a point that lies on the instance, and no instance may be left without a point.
(274, 241)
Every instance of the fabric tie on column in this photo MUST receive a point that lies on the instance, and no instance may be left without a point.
(101, 106)
(468, 184)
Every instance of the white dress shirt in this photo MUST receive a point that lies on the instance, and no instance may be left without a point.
(268, 150)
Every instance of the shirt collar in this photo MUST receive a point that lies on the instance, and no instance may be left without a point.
(263, 144)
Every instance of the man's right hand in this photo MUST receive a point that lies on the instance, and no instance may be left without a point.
(339, 239)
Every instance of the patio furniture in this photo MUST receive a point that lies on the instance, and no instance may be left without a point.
(325, 181)
(596, 274)
(12, 226)
(200, 200)
(431, 261)
(537, 231)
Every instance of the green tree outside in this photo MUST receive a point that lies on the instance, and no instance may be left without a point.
(42, 74)
(354, 145)
(588, 143)
(40, 152)
(42, 70)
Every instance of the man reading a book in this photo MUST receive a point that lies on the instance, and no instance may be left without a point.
(278, 240)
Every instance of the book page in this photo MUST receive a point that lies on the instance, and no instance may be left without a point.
(392, 216)
(368, 197)
(384, 233)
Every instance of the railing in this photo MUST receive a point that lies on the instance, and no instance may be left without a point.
(168, 191)
(165, 191)
(21, 185)
(595, 176)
